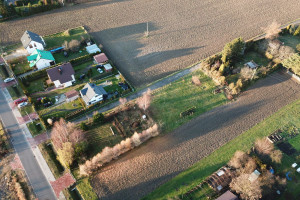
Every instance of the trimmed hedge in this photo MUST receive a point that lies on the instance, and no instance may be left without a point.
(35, 8)
(82, 59)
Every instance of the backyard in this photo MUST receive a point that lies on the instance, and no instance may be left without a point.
(290, 40)
(36, 127)
(15, 91)
(168, 102)
(199, 171)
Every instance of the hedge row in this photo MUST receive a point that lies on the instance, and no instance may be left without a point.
(35, 8)
(82, 59)
(188, 112)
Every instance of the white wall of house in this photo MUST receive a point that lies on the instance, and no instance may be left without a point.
(67, 84)
(96, 99)
(33, 46)
(43, 63)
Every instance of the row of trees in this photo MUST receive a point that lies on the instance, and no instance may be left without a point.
(266, 185)
(68, 141)
(110, 153)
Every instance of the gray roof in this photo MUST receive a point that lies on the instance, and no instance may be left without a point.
(252, 64)
(29, 36)
(63, 73)
(90, 90)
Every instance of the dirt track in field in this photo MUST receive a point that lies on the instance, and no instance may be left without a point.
(144, 169)
(181, 31)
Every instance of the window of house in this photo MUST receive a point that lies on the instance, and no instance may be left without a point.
(30, 46)
(34, 45)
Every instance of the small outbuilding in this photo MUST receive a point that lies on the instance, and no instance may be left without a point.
(32, 41)
(254, 176)
(62, 75)
(228, 196)
(92, 49)
(108, 67)
(251, 65)
(71, 95)
(100, 59)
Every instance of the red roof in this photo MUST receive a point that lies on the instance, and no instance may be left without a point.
(100, 58)
(71, 94)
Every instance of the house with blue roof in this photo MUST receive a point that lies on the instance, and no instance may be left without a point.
(32, 41)
(41, 59)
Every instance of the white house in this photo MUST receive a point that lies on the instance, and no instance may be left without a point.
(92, 93)
(32, 41)
(92, 49)
(62, 76)
(41, 59)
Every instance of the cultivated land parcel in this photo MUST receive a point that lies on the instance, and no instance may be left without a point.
(181, 32)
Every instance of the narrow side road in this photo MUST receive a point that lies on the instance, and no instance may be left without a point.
(38, 181)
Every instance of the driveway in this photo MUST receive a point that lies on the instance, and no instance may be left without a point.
(159, 160)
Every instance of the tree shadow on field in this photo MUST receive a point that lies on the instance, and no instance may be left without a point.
(134, 55)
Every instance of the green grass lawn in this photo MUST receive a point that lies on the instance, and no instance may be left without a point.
(15, 91)
(36, 86)
(59, 57)
(79, 69)
(61, 110)
(199, 171)
(181, 95)
(58, 39)
(3, 72)
(26, 110)
(84, 187)
(21, 68)
(36, 127)
(11, 48)
(290, 40)
(256, 57)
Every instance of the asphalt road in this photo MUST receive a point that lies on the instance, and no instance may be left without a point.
(142, 170)
(38, 181)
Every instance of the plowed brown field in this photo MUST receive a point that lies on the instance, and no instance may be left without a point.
(181, 31)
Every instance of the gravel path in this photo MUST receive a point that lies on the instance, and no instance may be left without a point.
(144, 169)
(181, 31)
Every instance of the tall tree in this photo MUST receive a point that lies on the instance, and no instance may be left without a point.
(233, 49)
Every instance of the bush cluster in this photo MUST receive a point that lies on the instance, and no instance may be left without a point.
(29, 9)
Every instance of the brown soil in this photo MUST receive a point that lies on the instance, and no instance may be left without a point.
(144, 169)
(181, 31)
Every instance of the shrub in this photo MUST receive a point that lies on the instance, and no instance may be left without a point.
(98, 118)
(298, 46)
(264, 146)
(297, 31)
(188, 112)
(83, 126)
(74, 45)
(293, 63)
(233, 49)
(196, 81)
(272, 31)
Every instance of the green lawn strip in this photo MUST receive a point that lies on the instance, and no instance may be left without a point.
(84, 187)
(21, 68)
(36, 127)
(11, 48)
(26, 110)
(58, 39)
(290, 40)
(295, 142)
(199, 171)
(36, 86)
(169, 101)
(82, 68)
(3, 72)
(61, 110)
(50, 157)
(15, 91)
(59, 57)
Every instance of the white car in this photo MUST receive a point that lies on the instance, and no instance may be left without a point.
(8, 80)
(100, 70)
(21, 105)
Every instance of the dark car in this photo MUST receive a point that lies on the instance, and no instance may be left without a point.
(47, 104)
(21, 100)
(81, 77)
(124, 86)
(99, 66)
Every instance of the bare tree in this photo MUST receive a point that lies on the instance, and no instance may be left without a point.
(74, 45)
(247, 190)
(123, 101)
(59, 134)
(238, 160)
(66, 154)
(76, 136)
(276, 156)
(285, 52)
(264, 146)
(247, 73)
(145, 100)
(196, 81)
(272, 31)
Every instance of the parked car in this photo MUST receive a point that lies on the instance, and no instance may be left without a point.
(100, 70)
(21, 100)
(8, 80)
(82, 76)
(99, 66)
(23, 104)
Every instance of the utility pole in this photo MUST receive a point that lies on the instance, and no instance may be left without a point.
(147, 32)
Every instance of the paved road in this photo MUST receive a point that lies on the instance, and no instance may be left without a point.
(159, 160)
(38, 181)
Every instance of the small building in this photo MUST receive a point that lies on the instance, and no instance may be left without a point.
(41, 59)
(92, 93)
(62, 76)
(220, 179)
(108, 67)
(71, 95)
(254, 176)
(228, 196)
(92, 49)
(100, 59)
(32, 41)
(251, 65)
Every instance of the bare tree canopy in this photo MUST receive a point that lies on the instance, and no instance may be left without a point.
(272, 31)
